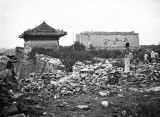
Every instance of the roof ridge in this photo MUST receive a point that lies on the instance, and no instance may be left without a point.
(39, 27)
(42, 30)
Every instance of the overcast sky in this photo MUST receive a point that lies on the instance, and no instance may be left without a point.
(141, 16)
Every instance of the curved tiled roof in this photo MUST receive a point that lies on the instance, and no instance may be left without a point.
(43, 30)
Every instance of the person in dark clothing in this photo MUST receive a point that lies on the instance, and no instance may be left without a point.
(10, 66)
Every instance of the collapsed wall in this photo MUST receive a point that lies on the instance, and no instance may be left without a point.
(40, 64)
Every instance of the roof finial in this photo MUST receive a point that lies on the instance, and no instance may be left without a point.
(44, 22)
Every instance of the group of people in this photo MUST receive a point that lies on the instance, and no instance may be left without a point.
(129, 56)
(154, 57)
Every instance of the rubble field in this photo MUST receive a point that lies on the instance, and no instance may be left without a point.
(100, 89)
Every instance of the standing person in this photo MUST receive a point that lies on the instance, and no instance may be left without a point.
(127, 58)
(146, 58)
(153, 55)
(157, 57)
(131, 57)
(10, 68)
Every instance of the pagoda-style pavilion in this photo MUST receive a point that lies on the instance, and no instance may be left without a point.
(42, 36)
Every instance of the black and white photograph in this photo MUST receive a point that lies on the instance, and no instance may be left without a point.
(79, 58)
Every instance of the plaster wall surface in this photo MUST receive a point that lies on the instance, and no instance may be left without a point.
(105, 41)
(41, 43)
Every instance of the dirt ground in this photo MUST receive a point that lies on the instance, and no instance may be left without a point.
(133, 104)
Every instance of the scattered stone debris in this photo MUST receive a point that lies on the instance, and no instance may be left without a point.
(18, 115)
(105, 103)
(101, 79)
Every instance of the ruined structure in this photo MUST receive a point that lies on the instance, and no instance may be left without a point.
(108, 40)
(42, 36)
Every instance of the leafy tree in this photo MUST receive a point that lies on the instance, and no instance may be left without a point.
(78, 46)
(91, 47)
